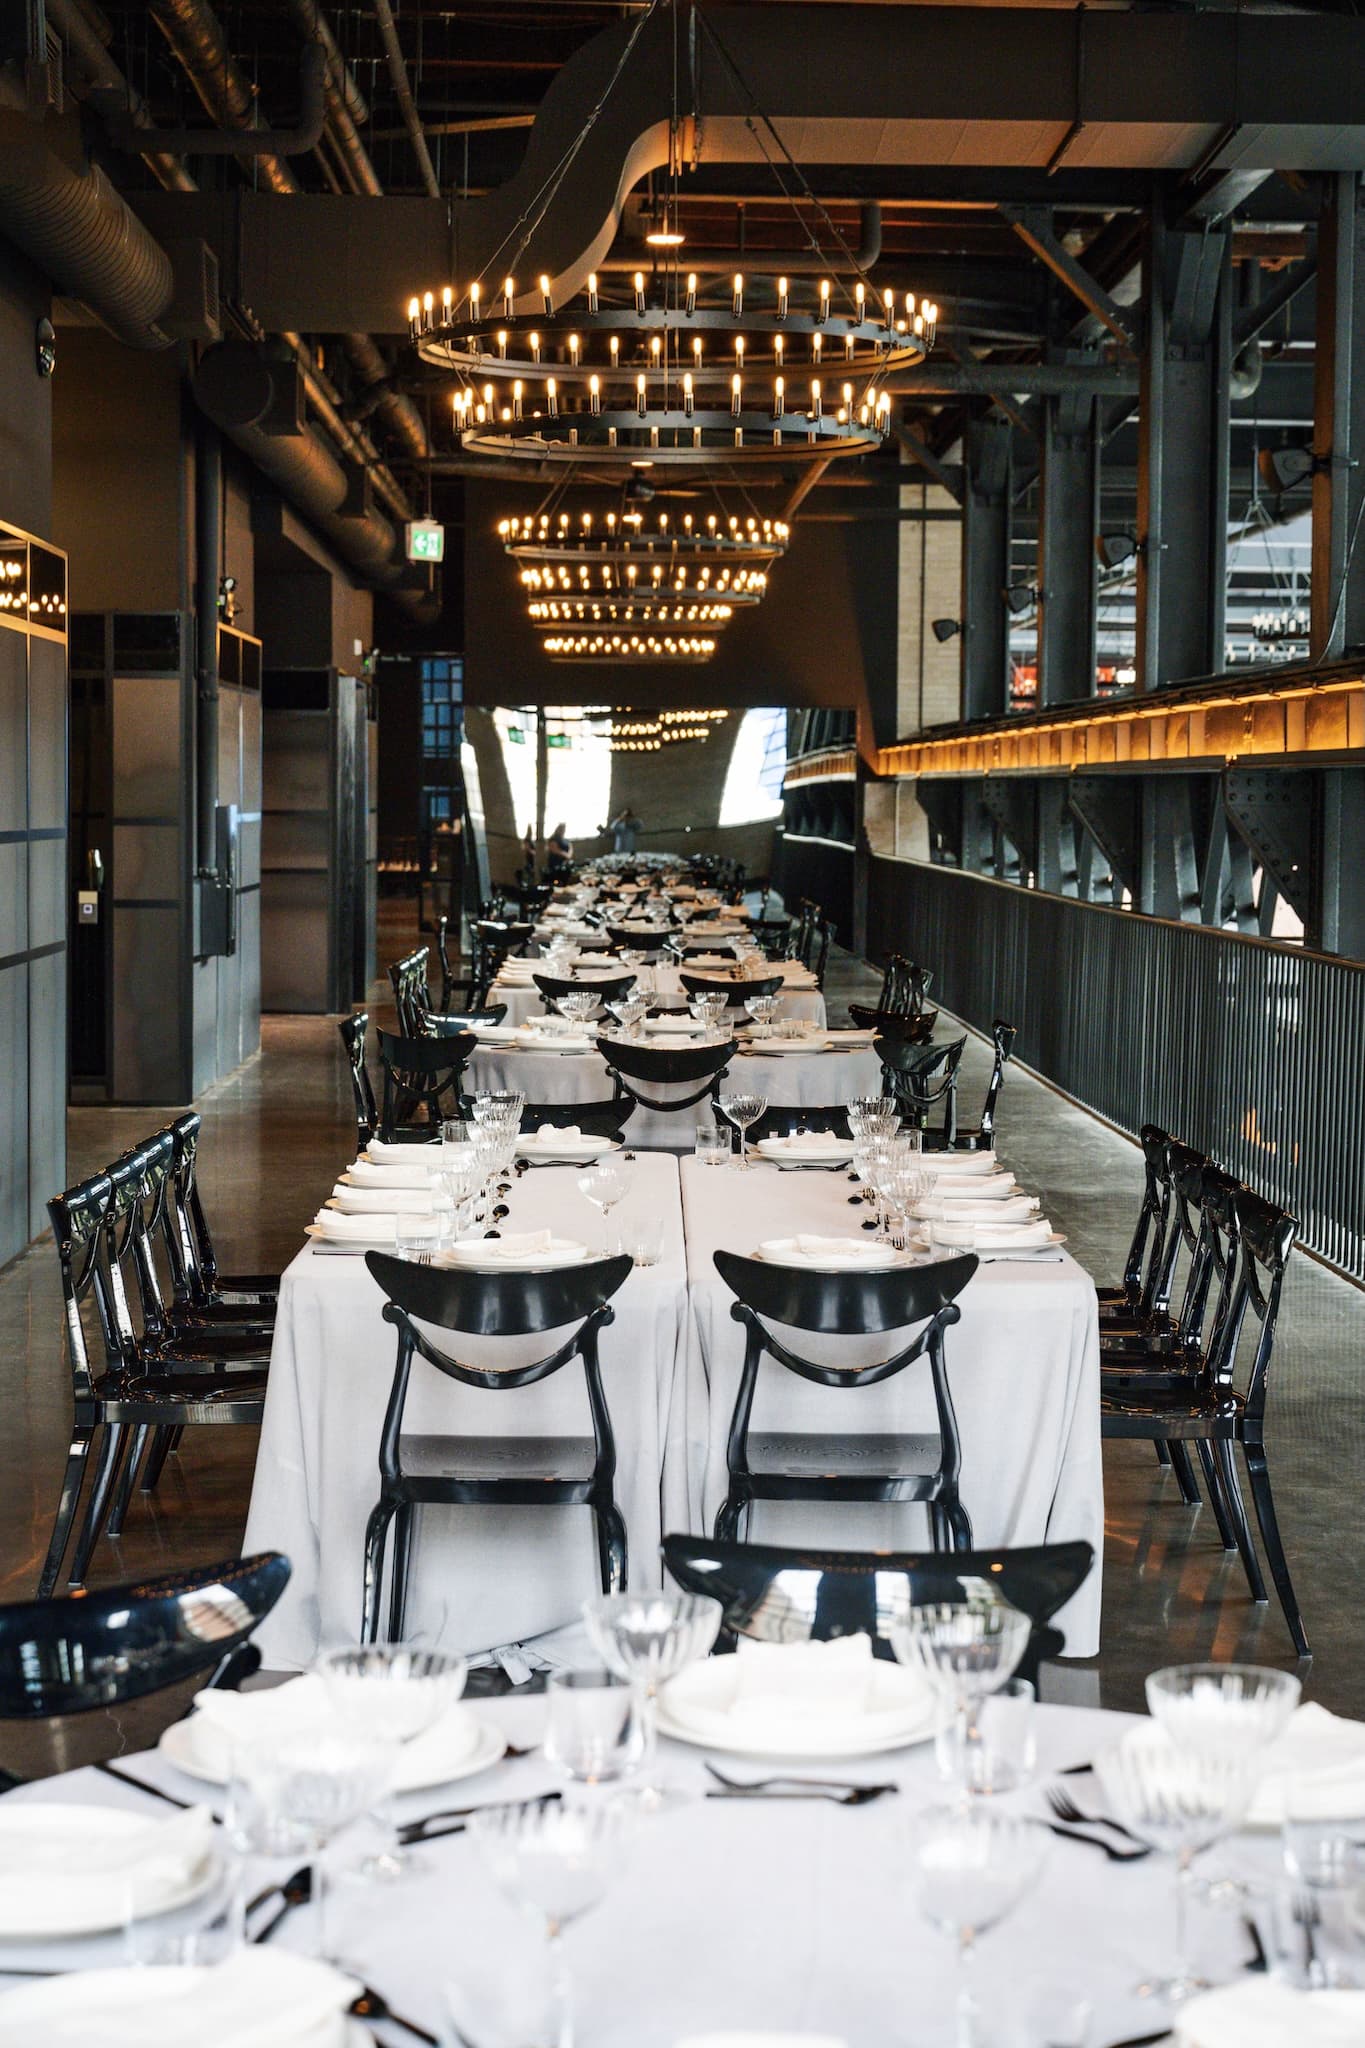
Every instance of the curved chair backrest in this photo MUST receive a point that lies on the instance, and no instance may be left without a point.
(921, 1076)
(515, 1302)
(353, 1031)
(594, 1119)
(552, 987)
(123, 1642)
(826, 932)
(77, 1218)
(736, 993)
(784, 1122)
(640, 938)
(181, 1207)
(411, 997)
(1003, 1036)
(776, 1595)
(845, 1303)
(422, 1070)
(902, 1027)
(1267, 1235)
(456, 1021)
(636, 1068)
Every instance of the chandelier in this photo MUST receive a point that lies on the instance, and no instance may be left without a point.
(619, 571)
(617, 646)
(679, 369)
(649, 734)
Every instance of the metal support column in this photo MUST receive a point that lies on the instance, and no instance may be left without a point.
(985, 570)
(1338, 605)
(1068, 519)
(1183, 454)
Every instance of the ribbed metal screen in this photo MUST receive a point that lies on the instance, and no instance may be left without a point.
(1251, 1051)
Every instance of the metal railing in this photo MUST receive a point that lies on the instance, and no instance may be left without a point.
(1252, 1051)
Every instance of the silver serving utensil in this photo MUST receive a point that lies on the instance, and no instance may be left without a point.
(1065, 1808)
(1114, 1854)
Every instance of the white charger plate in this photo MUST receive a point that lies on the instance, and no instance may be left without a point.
(887, 1264)
(836, 1153)
(919, 1725)
(84, 1826)
(561, 1251)
(425, 1762)
(349, 1243)
(565, 1151)
(765, 1048)
(925, 1243)
(96, 1992)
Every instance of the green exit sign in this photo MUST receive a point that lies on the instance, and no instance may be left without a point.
(556, 739)
(426, 540)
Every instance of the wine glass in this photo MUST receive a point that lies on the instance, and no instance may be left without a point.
(761, 1010)
(742, 1111)
(649, 1638)
(313, 1783)
(1223, 1709)
(554, 1860)
(593, 1732)
(392, 1692)
(604, 1184)
(971, 1866)
(966, 1649)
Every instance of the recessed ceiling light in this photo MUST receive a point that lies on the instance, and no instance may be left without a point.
(642, 465)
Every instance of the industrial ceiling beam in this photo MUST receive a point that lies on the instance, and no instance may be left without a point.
(1017, 380)
(1033, 226)
(949, 474)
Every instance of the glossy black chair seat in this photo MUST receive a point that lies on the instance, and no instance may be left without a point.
(554, 987)
(781, 1595)
(736, 993)
(636, 1070)
(826, 1466)
(427, 1303)
(125, 1642)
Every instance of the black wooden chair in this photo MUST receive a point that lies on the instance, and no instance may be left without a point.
(774, 1595)
(772, 936)
(900, 1010)
(858, 1467)
(736, 993)
(979, 1137)
(784, 1120)
(472, 987)
(435, 1025)
(919, 1078)
(552, 987)
(491, 1471)
(807, 916)
(1151, 1329)
(1136, 1295)
(411, 996)
(637, 1070)
(205, 1286)
(353, 1034)
(121, 1387)
(594, 1119)
(1216, 1411)
(422, 1073)
(124, 1642)
(650, 940)
(826, 932)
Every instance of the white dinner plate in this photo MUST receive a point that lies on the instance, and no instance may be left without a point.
(439, 1757)
(85, 1827)
(918, 1723)
(71, 1996)
(835, 1153)
(765, 1047)
(561, 1251)
(886, 1261)
(349, 1244)
(565, 1151)
(925, 1243)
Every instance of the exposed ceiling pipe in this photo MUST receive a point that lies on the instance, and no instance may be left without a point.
(771, 262)
(252, 141)
(317, 29)
(196, 36)
(76, 229)
(407, 107)
(234, 386)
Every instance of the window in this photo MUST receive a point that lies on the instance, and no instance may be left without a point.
(758, 762)
(442, 701)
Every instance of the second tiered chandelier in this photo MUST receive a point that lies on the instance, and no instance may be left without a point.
(689, 576)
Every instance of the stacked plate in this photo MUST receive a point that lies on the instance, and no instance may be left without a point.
(832, 1254)
(815, 1700)
(257, 1998)
(806, 1148)
(71, 1870)
(566, 1145)
(530, 1251)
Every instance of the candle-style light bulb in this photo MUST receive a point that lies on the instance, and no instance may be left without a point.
(639, 291)
(688, 401)
(502, 343)
(735, 394)
(737, 298)
(552, 398)
(860, 298)
(474, 293)
(823, 313)
(779, 397)
(614, 347)
(535, 346)
(447, 301)
(781, 298)
(815, 398)
(516, 400)
(641, 398)
(592, 291)
(414, 313)
(509, 293)
(691, 301)
(817, 342)
(594, 394)
(545, 298)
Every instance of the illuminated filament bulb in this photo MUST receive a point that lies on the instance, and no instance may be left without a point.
(884, 411)
(734, 394)
(447, 301)
(781, 298)
(691, 302)
(639, 291)
(594, 394)
(615, 347)
(815, 398)
(428, 304)
(592, 291)
(474, 292)
(574, 346)
(777, 350)
(823, 313)
(535, 346)
(889, 301)
(414, 314)
(545, 298)
(848, 399)
(502, 343)
(552, 398)
(817, 342)
(688, 402)
(696, 352)
(641, 396)
(779, 397)
(509, 292)
(655, 346)
(488, 398)
(516, 400)
(910, 307)
(860, 299)
(737, 298)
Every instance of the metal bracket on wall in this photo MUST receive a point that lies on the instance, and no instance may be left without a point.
(1014, 807)
(1274, 811)
(1109, 807)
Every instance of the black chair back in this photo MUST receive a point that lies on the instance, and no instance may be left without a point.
(1003, 1036)
(784, 1122)
(826, 932)
(422, 1072)
(736, 993)
(920, 1077)
(353, 1031)
(594, 1119)
(552, 987)
(635, 1069)
(411, 997)
(124, 1642)
(777, 1595)
(1267, 1235)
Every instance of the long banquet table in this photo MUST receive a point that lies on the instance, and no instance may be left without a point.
(801, 999)
(773, 1916)
(1023, 1365)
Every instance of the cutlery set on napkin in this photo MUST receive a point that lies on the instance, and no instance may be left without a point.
(390, 1183)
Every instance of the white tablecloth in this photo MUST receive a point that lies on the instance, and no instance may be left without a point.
(481, 1576)
(1023, 1367)
(793, 1080)
(523, 1000)
(762, 1915)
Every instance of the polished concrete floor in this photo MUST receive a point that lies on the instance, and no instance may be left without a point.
(276, 1132)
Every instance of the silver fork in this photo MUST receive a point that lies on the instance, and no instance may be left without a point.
(840, 1790)
(1065, 1808)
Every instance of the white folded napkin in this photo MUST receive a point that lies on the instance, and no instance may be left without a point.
(1004, 1237)
(258, 1998)
(381, 1152)
(544, 1041)
(303, 1707)
(1316, 1767)
(364, 1173)
(522, 1248)
(1263, 2013)
(985, 1187)
(671, 1021)
(497, 1034)
(801, 1699)
(808, 1677)
(375, 1229)
(1013, 1209)
(959, 1163)
(61, 1866)
(761, 2041)
(553, 1133)
(823, 1142)
(833, 1253)
(382, 1201)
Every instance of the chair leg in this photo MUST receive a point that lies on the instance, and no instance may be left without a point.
(123, 1493)
(1259, 1474)
(163, 1443)
(67, 1504)
(960, 1522)
(939, 1534)
(110, 1460)
(1163, 1456)
(1232, 1493)
(727, 1521)
(1184, 1472)
(1215, 1493)
(376, 1542)
(611, 1547)
(402, 1559)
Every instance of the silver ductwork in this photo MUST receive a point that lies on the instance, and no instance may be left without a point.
(238, 387)
(76, 229)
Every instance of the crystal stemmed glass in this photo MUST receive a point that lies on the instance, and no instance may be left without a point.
(554, 1860)
(966, 1649)
(391, 1692)
(604, 1183)
(971, 1867)
(649, 1638)
(1222, 1709)
(742, 1111)
(761, 1010)
(315, 1784)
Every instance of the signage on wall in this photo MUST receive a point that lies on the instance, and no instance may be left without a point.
(425, 540)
